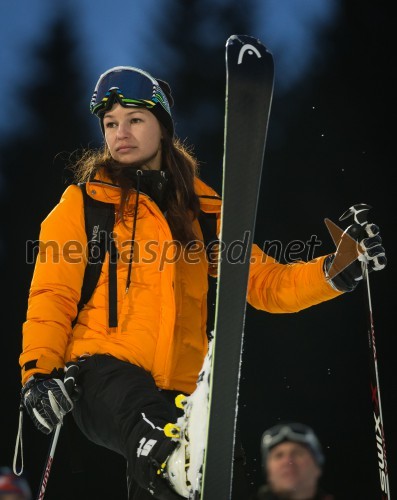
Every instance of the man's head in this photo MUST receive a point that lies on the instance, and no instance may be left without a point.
(292, 459)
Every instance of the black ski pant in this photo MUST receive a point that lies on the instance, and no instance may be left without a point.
(122, 409)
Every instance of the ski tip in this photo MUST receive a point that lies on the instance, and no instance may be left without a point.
(245, 40)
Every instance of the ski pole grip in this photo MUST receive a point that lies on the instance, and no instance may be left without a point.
(359, 213)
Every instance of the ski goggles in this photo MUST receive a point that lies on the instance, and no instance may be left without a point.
(293, 432)
(131, 87)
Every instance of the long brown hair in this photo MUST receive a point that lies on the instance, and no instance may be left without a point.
(178, 161)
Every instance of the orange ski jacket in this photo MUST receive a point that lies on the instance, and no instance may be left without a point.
(162, 317)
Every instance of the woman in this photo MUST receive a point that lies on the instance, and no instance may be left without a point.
(137, 354)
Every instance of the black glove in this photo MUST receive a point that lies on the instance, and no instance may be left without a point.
(47, 398)
(358, 244)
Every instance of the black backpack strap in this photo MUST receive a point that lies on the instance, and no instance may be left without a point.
(208, 224)
(99, 222)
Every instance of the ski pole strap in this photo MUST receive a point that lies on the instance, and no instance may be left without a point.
(112, 284)
(18, 443)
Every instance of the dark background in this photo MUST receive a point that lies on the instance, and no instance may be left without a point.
(330, 145)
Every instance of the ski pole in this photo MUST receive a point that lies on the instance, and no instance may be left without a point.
(74, 391)
(48, 465)
(359, 213)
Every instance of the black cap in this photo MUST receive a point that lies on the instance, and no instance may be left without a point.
(133, 87)
(294, 432)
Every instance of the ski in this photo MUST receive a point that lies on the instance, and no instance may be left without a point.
(249, 91)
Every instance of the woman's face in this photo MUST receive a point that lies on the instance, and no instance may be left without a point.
(133, 136)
